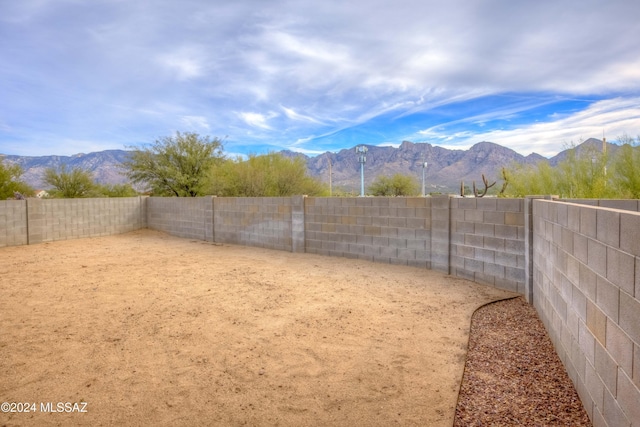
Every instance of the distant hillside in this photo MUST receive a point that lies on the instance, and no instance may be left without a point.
(104, 165)
(446, 168)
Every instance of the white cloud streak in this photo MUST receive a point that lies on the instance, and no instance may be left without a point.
(287, 73)
(611, 118)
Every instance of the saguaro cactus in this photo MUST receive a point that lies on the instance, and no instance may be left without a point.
(487, 186)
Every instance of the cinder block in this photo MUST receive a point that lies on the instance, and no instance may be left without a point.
(505, 259)
(407, 212)
(608, 298)
(573, 324)
(630, 316)
(630, 233)
(510, 205)
(465, 203)
(416, 223)
(493, 243)
(440, 202)
(416, 244)
(620, 347)
(407, 254)
(398, 202)
(506, 231)
(484, 229)
(596, 322)
(406, 233)
(571, 268)
(608, 227)
(424, 255)
(490, 217)
(473, 215)
(495, 270)
(597, 257)
(473, 240)
(484, 255)
(487, 204)
(628, 396)
(388, 252)
(514, 218)
(588, 222)
(573, 218)
(514, 246)
(463, 227)
(515, 274)
(397, 222)
(594, 385)
(380, 201)
(579, 306)
(588, 280)
(612, 412)
(621, 270)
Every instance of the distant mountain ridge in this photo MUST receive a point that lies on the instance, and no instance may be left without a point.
(445, 168)
(104, 165)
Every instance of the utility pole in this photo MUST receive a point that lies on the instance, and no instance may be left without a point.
(362, 151)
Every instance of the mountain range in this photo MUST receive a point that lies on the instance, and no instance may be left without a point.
(445, 168)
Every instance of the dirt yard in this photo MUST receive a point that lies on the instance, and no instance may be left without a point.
(149, 329)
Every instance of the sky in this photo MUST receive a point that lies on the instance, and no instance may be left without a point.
(78, 76)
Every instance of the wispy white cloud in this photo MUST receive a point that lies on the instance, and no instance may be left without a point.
(257, 120)
(611, 118)
(293, 115)
(195, 122)
(294, 73)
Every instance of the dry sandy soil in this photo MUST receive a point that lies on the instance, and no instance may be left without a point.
(148, 329)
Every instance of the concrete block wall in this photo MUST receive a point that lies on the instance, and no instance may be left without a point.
(487, 241)
(188, 217)
(623, 204)
(13, 223)
(264, 222)
(388, 230)
(586, 279)
(441, 233)
(61, 219)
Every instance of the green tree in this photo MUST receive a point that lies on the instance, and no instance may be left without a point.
(10, 182)
(116, 190)
(396, 185)
(583, 173)
(625, 170)
(70, 184)
(267, 175)
(175, 165)
(528, 180)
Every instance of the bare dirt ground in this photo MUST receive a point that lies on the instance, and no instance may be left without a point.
(148, 329)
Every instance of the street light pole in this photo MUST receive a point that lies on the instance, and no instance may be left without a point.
(362, 151)
(424, 168)
(330, 178)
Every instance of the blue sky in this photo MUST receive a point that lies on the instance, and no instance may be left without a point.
(266, 75)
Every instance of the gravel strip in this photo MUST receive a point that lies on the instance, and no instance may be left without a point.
(513, 375)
